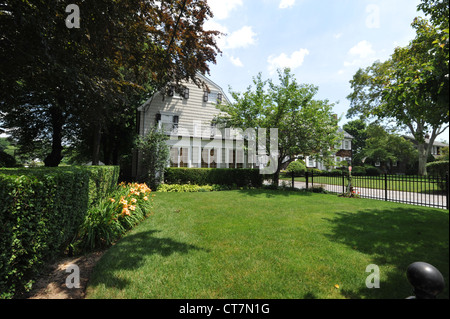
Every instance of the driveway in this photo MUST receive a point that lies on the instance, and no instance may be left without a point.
(422, 199)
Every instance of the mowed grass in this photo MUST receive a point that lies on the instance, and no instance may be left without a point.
(271, 244)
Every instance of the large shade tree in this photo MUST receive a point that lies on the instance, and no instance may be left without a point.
(411, 88)
(306, 126)
(65, 84)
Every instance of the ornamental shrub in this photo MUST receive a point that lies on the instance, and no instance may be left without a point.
(372, 170)
(358, 170)
(185, 188)
(296, 167)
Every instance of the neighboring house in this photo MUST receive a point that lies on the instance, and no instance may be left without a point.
(187, 118)
(437, 147)
(344, 153)
(403, 167)
(400, 167)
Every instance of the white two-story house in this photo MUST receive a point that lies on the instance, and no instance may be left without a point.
(188, 119)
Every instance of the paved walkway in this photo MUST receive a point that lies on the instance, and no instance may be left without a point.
(439, 201)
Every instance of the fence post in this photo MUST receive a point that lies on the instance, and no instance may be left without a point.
(306, 175)
(385, 187)
(446, 189)
(343, 183)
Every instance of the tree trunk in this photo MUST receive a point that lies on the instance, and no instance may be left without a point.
(57, 119)
(276, 175)
(96, 144)
(423, 154)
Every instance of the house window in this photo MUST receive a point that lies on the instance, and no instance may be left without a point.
(179, 157)
(209, 158)
(346, 145)
(172, 93)
(184, 159)
(310, 162)
(174, 157)
(231, 158)
(377, 163)
(167, 122)
(212, 158)
(213, 97)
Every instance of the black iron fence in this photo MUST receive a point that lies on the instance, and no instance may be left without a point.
(432, 191)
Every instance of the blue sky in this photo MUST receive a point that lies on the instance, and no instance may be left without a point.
(324, 42)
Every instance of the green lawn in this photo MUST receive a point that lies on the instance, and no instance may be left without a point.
(271, 244)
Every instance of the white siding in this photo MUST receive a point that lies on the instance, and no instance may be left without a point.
(192, 111)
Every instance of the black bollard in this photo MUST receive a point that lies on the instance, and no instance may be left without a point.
(426, 279)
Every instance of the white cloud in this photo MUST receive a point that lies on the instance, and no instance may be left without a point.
(240, 38)
(363, 50)
(337, 35)
(284, 4)
(283, 61)
(221, 8)
(236, 61)
(362, 54)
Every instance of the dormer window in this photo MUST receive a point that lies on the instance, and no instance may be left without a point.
(170, 91)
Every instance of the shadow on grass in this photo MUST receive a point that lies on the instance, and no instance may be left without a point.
(130, 254)
(395, 238)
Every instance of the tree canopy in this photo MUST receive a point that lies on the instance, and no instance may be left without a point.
(78, 84)
(306, 126)
(411, 88)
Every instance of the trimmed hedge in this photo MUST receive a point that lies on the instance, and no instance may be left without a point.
(41, 211)
(102, 179)
(239, 177)
(438, 168)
